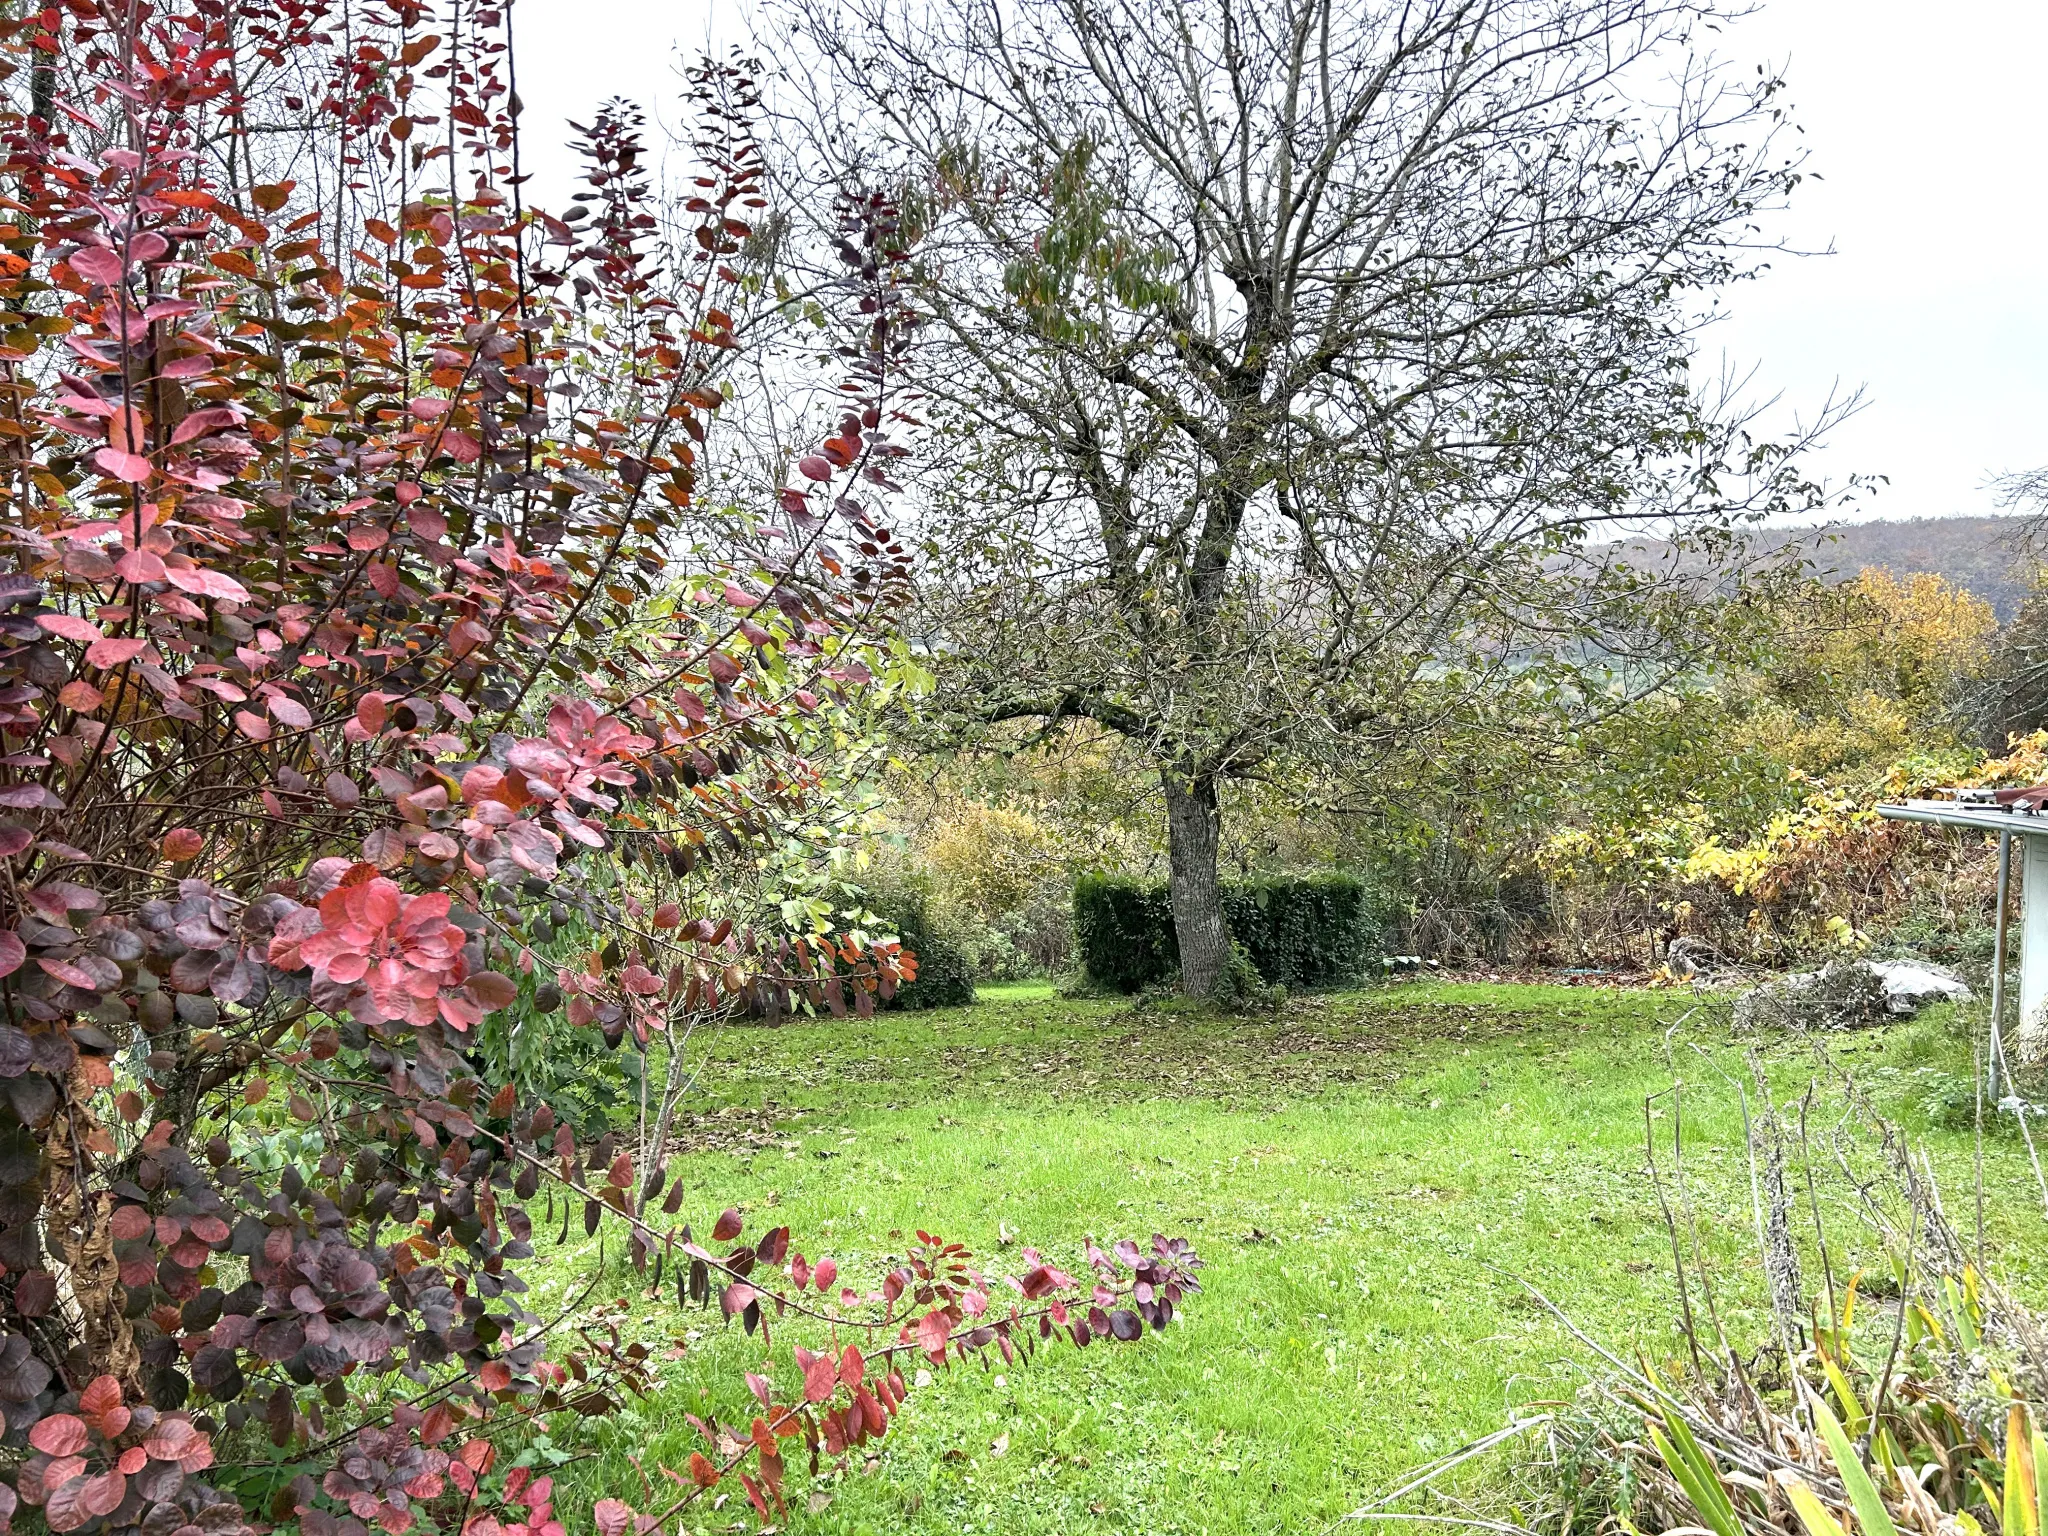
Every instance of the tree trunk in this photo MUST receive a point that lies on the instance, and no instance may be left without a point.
(1192, 823)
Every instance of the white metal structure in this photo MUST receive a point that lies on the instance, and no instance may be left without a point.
(1979, 810)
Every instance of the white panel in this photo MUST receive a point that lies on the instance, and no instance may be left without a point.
(2030, 1041)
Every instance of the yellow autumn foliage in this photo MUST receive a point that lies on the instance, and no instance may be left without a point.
(989, 859)
(1867, 675)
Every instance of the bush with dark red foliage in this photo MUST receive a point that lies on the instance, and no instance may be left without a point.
(337, 486)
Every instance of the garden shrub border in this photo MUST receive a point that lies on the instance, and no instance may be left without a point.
(1301, 931)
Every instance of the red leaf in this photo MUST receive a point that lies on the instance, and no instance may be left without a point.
(702, 1472)
(290, 713)
(754, 1496)
(102, 1495)
(612, 1517)
(103, 1392)
(61, 1434)
(65, 1509)
(176, 1440)
(69, 974)
(933, 1331)
(815, 466)
(12, 952)
(98, 264)
(182, 845)
(426, 521)
(466, 636)
(728, 1226)
(199, 423)
(819, 1379)
(826, 1272)
(493, 990)
(252, 725)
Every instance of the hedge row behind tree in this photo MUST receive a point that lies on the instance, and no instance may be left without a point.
(1307, 931)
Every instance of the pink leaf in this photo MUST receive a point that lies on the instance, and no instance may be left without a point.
(115, 650)
(131, 467)
(208, 583)
(254, 726)
(97, 264)
(140, 565)
(61, 1434)
(290, 713)
(428, 522)
(71, 976)
(69, 626)
(199, 423)
(176, 1440)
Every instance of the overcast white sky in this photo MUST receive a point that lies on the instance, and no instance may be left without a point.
(1928, 128)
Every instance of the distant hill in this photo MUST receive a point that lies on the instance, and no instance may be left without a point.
(1973, 552)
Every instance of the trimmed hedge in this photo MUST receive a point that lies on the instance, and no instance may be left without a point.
(1124, 932)
(945, 974)
(1302, 932)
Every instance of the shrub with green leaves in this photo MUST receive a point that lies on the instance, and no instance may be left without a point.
(945, 968)
(1303, 931)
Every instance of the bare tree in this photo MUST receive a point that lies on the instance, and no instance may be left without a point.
(1308, 361)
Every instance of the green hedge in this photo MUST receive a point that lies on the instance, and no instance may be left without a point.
(1124, 932)
(945, 973)
(1302, 932)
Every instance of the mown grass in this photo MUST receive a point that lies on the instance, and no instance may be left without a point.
(1371, 1179)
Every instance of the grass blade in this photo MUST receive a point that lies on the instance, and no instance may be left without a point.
(1696, 1475)
(2022, 1514)
(1871, 1515)
(1812, 1513)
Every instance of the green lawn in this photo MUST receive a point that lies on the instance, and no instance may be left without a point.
(1369, 1178)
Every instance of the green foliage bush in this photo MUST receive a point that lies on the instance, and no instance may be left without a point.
(1301, 932)
(1124, 932)
(1240, 989)
(945, 969)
